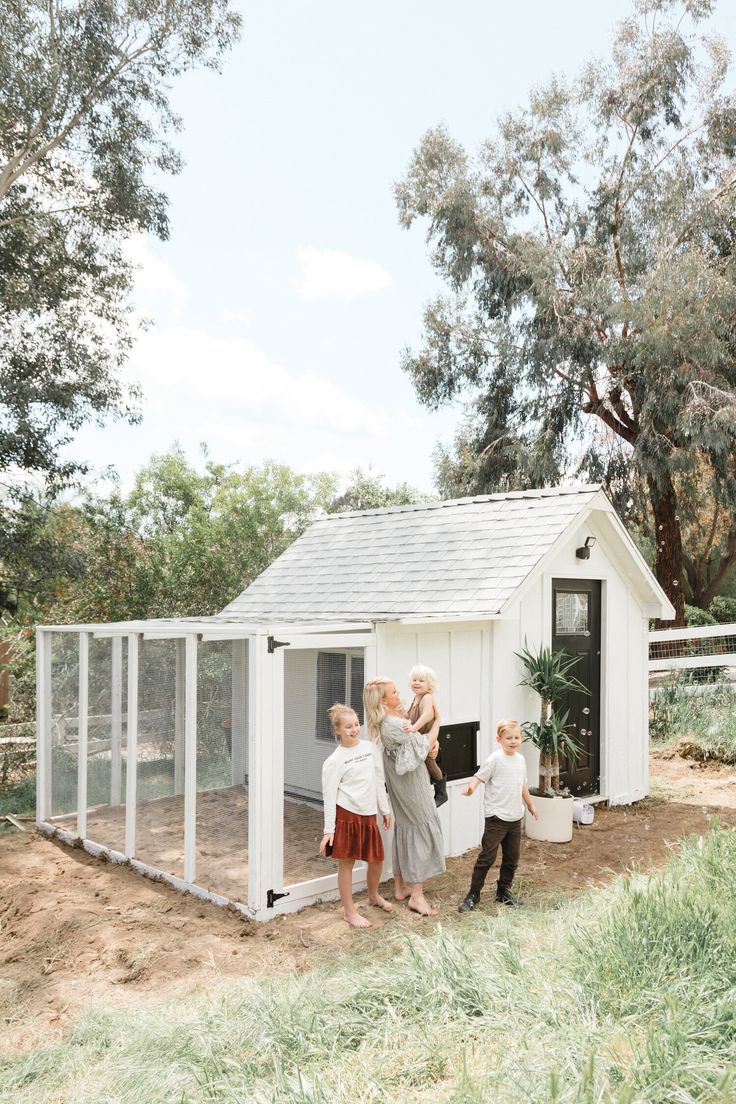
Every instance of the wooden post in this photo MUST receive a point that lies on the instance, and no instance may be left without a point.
(190, 759)
(82, 732)
(131, 775)
(265, 813)
(116, 721)
(43, 726)
(179, 740)
(239, 714)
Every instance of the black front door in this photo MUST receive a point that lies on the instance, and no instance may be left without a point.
(576, 629)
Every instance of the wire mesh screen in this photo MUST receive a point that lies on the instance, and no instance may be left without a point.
(64, 728)
(314, 679)
(222, 768)
(705, 647)
(160, 757)
(107, 742)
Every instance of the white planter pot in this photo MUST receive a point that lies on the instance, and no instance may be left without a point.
(555, 820)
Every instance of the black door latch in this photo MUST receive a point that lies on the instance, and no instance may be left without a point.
(272, 897)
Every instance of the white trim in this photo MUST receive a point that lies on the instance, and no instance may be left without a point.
(275, 837)
(239, 695)
(82, 732)
(190, 760)
(697, 633)
(179, 715)
(261, 753)
(131, 773)
(315, 627)
(326, 643)
(43, 725)
(452, 618)
(116, 720)
(728, 659)
(214, 628)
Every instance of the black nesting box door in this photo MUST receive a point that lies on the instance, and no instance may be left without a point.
(459, 749)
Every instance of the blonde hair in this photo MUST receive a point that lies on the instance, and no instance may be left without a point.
(337, 712)
(375, 711)
(505, 726)
(420, 671)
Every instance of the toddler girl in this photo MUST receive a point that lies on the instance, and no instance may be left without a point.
(354, 791)
(423, 715)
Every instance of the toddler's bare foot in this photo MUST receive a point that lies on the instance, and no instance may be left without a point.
(355, 920)
(380, 902)
(422, 906)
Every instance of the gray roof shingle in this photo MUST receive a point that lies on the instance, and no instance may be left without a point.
(464, 556)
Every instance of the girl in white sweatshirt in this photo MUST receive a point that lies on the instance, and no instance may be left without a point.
(354, 792)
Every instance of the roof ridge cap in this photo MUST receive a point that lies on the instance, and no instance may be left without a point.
(445, 503)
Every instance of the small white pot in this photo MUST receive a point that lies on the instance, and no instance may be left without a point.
(555, 820)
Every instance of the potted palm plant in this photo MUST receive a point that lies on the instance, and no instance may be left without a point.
(548, 674)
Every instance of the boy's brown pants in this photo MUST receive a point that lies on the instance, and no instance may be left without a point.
(507, 833)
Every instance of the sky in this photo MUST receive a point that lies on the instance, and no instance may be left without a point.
(282, 301)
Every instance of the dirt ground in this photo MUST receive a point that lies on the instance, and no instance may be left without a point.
(77, 933)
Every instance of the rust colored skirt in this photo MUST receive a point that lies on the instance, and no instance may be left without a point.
(356, 837)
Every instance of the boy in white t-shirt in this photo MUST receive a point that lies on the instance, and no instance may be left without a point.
(506, 794)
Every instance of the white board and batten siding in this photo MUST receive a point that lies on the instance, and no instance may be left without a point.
(460, 655)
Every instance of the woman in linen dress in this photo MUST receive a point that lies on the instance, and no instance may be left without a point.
(418, 847)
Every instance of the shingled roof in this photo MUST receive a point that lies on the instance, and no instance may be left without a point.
(463, 556)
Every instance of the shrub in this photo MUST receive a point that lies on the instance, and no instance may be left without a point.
(723, 610)
(695, 617)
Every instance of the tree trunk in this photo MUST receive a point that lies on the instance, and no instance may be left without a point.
(669, 557)
(556, 772)
(545, 772)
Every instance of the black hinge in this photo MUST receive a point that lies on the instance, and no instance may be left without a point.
(273, 644)
(272, 897)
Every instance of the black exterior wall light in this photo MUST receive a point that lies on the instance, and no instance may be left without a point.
(583, 553)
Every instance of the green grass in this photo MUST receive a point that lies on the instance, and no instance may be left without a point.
(706, 719)
(626, 995)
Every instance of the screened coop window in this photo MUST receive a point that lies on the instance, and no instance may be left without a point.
(340, 678)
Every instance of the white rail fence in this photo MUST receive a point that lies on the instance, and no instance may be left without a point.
(688, 649)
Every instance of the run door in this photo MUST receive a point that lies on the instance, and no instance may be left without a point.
(311, 674)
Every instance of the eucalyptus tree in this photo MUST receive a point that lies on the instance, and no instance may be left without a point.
(589, 250)
(85, 136)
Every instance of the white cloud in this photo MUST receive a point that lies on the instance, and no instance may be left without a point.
(154, 277)
(238, 316)
(329, 273)
(228, 382)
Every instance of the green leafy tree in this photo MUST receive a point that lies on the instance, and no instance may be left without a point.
(85, 123)
(590, 253)
(183, 542)
(367, 491)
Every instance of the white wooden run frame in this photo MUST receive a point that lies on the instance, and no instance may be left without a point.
(265, 895)
(686, 649)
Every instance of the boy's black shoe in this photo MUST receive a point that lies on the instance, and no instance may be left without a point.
(506, 897)
(440, 791)
(468, 903)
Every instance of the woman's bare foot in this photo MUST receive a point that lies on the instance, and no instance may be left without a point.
(401, 890)
(380, 902)
(421, 905)
(355, 919)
